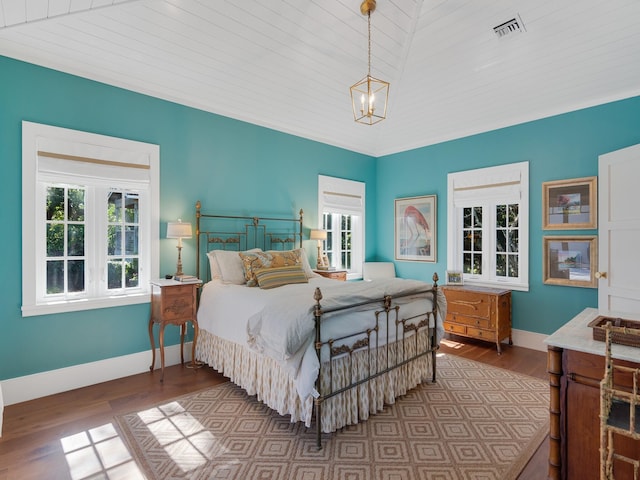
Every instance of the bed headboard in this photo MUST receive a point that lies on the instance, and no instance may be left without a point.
(239, 233)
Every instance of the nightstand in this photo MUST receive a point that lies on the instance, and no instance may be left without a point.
(172, 303)
(334, 274)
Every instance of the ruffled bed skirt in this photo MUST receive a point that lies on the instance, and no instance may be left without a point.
(264, 377)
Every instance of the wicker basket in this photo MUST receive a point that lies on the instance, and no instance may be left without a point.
(599, 333)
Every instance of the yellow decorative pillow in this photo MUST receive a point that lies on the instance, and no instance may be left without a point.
(274, 259)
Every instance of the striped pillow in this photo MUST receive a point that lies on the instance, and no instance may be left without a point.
(279, 276)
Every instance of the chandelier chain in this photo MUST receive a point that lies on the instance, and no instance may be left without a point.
(369, 44)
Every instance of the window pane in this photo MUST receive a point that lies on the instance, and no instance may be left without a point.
(55, 240)
(467, 241)
(55, 203)
(477, 241)
(114, 207)
(513, 266)
(466, 217)
(477, 264)
(501, 241)
(75, 204)
(114, 242)
(501, 265)
(114, 273)
(513, 241)
(131, 272)
(131, 240)
(513, 216)
(501, 216)
(76, 275)
(55, 277)
(477, 217)
(75, 241)
(466, 263)
(131, 208)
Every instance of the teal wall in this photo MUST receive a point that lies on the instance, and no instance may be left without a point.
(559, 147)
(234, 166)
(231, 166)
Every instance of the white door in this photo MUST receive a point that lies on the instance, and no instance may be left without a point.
(619, 231)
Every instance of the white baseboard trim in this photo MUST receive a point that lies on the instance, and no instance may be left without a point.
(29, 387)
(532, 340)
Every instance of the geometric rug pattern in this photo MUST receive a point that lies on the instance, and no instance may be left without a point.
(477, 422)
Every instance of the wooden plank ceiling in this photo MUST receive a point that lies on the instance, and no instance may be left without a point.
(288, 64)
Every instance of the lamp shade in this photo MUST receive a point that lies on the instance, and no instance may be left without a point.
(179, 230)
(318, 235)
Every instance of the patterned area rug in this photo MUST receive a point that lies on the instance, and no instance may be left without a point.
(476, 422)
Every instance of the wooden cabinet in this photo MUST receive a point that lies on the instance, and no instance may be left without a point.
(574, 434)
(478, 312)
(172, 303)
(334, 274)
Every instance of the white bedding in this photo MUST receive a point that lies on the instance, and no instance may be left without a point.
(255, 318)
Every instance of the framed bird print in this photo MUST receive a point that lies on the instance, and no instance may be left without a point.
(415, 228)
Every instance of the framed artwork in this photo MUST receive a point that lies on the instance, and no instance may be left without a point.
(570, 204)
(415, 232)
(570, 260)
(454, 277)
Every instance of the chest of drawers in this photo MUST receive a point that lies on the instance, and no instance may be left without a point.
(478, 312)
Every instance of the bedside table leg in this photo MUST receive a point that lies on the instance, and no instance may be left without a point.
(183, 329)
(153, 346)
(193, 346)
(161, 340)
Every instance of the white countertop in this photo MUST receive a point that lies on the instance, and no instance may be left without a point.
(577, 335)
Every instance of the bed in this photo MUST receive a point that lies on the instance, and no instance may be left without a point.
(316, 349)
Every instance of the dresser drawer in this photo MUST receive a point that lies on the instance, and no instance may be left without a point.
(468, 303)
(477, 333)
(472, 321)
(453, 328)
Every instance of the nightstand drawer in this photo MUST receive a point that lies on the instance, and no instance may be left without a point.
(177, 307)
(472, 321)
(178, 291)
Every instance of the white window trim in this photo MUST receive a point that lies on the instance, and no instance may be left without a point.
(347, 197)
(508, 183)
(90, 145)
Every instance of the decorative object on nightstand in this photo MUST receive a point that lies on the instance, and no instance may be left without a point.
(334, 274)
(320, 236)
(173, 303)
(179, 230)
(478, 312)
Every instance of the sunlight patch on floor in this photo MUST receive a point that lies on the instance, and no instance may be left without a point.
(187, 441)
(99, 453)
(452, 344)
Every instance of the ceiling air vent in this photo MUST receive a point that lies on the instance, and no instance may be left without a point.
(510, 27)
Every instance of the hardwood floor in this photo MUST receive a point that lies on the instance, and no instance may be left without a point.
(36, 434)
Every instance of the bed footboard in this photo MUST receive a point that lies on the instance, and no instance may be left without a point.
(370, 356)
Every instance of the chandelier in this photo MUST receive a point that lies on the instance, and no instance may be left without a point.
(370, 95)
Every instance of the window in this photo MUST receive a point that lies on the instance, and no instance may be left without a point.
(90, 220)
(488, 225)
(341, 208)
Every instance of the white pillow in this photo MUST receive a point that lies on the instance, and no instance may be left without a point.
(226, 265)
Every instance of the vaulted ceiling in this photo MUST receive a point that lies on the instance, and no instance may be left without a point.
(288, 64)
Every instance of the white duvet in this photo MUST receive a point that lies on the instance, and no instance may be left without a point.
(280, 323)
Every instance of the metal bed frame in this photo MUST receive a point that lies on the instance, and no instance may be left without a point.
(252, 231)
